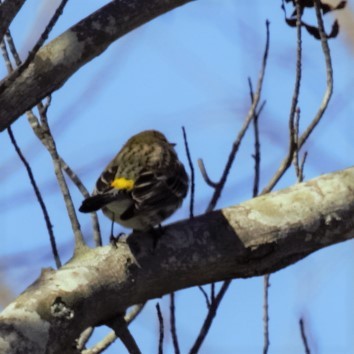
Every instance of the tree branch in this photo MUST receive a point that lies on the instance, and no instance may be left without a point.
(121, 330)
(8, 11)
(111, 337)
(259, 236)
(58, 60)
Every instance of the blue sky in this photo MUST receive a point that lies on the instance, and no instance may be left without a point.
(189, 68)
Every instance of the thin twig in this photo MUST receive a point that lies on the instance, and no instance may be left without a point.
(208, 181)
(212, 292)
(161, 329)
(121, 330)
(77, 181)
(6, 57)
(266, 285)
(293, 148)
(83, 339)
(111, 337)
(173, 324)
(41, 135)
(134, 312)
(48, 141)
(12, 77)
(257, 160)
(244, 128)
(323, 105)
(39, 198)
(329, 75)
(44, 134)
(12, 48)
(208, 320)
(299, 166)
(286, 163)
(191, 205)
(296, 141)
(303, 336)
(205, 296)
(205, 175)
(257, 146)
(30, 174)
(216, 299)
(302, 165)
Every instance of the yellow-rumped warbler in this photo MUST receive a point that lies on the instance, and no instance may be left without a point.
(143, 185)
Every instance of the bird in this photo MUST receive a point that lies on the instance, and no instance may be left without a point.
(144, 184)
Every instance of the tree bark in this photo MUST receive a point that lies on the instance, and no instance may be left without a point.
(62, 57)
(8, 10)
(259, 236)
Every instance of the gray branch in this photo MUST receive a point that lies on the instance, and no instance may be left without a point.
(62, 57)
(257, 237)
(8, 11)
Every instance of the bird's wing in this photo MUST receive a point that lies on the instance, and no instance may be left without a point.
(160, 188)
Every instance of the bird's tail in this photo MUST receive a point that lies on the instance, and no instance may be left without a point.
(96, 202)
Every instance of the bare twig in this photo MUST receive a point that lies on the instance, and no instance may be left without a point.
(30, 173)
(216, 299)
(12, 48)
(296, 142)
(205, 296)
(40, 132)
(257, 146)
(44, 134)
(161, 331)
(212, 292)
(84, 337)
(303, 336)
(257, 159)
(191, 211)
(173, 324)
(37, 46)
(302, 165)
(293, 148)
(48, 141)
(191, 205)
(299, 166)
(6, 57)
(286, 163)
(121, 330)
(77, 181)
(208, 320)
(329, 73)
(39, 198)
(205, 175)
(111, 337)
(266, 313)
(296, 145)
(134, 312)
(323, 106)
(250, 115)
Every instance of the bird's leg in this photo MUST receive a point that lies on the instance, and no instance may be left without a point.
(113, 240)
(156, 233)
(112, 227)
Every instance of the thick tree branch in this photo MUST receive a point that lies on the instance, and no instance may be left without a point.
(257, 237)
(62, 57)
(8, 11)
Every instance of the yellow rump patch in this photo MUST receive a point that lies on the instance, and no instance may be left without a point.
(123, 183)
